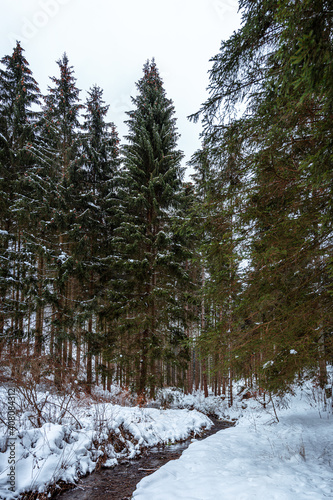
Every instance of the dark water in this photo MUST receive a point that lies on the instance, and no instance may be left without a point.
(120, 482)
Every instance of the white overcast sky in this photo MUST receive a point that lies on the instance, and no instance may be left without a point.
(108, 42)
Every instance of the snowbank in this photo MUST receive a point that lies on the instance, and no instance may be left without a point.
(259, 458)
(99, 433)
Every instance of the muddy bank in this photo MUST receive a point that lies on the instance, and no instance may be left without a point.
(120, 482)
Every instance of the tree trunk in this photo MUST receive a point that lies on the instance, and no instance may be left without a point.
(58, 349)
(39, 317)
(203, 326)
(143, 366)
(230, 390)
(89, 357)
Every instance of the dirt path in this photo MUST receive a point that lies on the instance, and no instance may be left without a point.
(120, 482)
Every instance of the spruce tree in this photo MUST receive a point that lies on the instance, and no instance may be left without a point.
(19, 94)
(61, 134)
(280, 63)
(219, 253)
(96, 218)
(145, 293)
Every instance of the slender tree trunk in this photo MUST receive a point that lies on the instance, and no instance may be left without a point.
(153, 378)
(89, 357)
(70, 355)
(89, 341)
(78, 350)
(197, 368)
(97, 366)
(52, 334)
(40, 309)
(27, 352)
(143, 365)
(72, 289)
(109, 376)
(58, 348)
(224, 386)
(65, 354)
(322, 362)
(189, 388)
(219, 381)
(39, 316)
(230, 390)
(203, 326)
(58, 375)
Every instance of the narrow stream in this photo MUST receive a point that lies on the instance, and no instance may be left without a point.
(120, 482)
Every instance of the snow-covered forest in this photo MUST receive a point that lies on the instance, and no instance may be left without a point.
(120, 280)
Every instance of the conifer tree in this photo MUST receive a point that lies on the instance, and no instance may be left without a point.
(96, 215)
(151, 258)
(19, 92)
(61, 133)
(281, 62)
(219, 254)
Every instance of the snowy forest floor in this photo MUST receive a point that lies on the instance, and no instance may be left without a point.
(120, 482)
(281, 451)
(261, 458)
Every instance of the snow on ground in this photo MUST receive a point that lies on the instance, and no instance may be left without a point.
(260, 458)
(87, 433)
(280, 452)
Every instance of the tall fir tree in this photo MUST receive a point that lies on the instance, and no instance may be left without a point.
(146, 291)
(62, 137)
(96, 219)
(19, 96)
